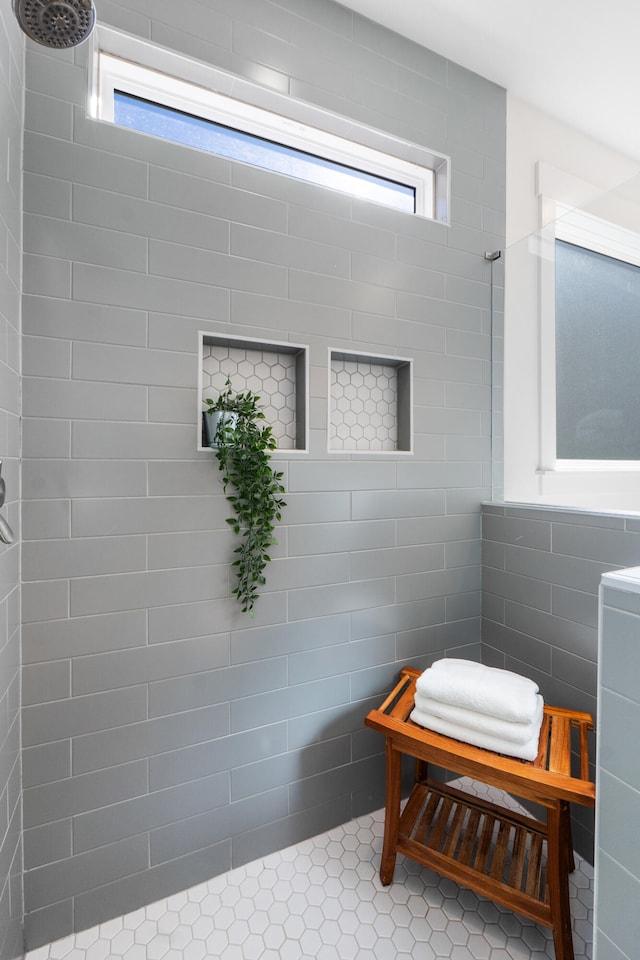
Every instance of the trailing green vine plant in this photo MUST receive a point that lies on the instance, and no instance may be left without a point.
(243, 446)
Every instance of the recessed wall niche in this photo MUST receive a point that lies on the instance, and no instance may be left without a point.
(370, 408)
(277, 372)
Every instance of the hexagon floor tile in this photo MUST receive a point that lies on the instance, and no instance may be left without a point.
(323, 900)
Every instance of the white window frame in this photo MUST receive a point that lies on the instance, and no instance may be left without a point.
(599, 236)
(153, 73)
(532, 473)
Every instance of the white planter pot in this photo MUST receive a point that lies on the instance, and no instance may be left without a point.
(212, 422)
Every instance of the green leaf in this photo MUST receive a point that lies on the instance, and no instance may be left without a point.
(243, 455)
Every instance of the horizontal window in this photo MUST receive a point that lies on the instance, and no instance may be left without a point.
(224, 141)
(186, 106)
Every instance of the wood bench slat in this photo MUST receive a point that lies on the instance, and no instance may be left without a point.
(560, 746)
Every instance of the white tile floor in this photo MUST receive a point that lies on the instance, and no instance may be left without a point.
(323, 900)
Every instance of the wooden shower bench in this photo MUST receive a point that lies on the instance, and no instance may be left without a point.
(515, 860)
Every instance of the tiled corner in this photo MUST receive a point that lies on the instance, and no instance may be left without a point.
(323, 899)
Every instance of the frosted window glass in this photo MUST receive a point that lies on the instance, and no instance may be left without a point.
(147, 117)
(597, 356)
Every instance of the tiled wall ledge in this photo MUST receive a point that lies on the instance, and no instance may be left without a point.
(616, 922)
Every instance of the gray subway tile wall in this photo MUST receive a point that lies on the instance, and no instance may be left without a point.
(225, 738)
(616, 927)
(541, 577)
(11, 839)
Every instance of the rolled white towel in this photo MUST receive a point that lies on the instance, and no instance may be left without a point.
(474, 686)
(524, 751)
(513, 731)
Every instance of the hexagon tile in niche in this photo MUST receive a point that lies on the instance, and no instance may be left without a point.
(270, 374)
(322, 900)
(364, 413)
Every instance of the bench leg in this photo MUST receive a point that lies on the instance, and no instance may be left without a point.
(422, 771)
(566, 814)
(559, 857)
(391, 814)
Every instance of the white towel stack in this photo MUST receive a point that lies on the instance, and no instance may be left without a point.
(484, 706)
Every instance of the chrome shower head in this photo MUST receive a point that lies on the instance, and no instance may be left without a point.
(56, 23)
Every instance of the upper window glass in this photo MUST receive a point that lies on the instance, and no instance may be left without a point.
(597, 349)
(271, 133)
(224, 141)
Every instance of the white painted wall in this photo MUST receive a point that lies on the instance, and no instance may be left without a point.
(533, 136)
